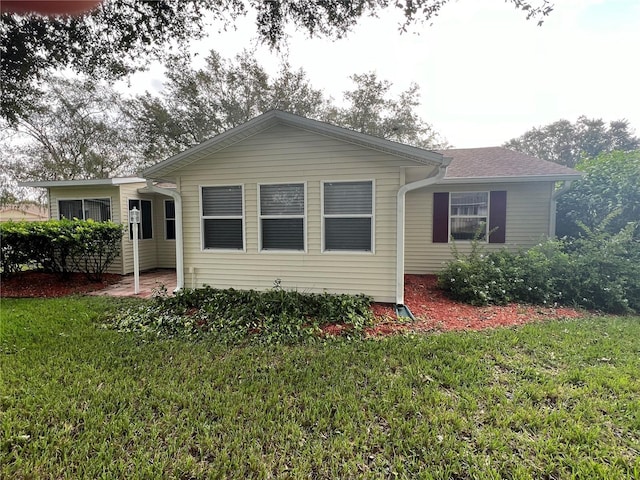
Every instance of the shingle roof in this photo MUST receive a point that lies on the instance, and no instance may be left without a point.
(500, 162)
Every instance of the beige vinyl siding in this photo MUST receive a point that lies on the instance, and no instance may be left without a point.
(72, 193)
(528, 208)
(288, 155)
(166, 249)
(146, 247)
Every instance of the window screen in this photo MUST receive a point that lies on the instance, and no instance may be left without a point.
(98, 209)
(282, 216)
(469, 211)
(348, 216)
(71, 209)
(222, 217)
(145, 228)
(170, 219)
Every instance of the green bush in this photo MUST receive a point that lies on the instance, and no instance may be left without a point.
(604, 272)
(597, 271)
(60, 246)
(230, 315)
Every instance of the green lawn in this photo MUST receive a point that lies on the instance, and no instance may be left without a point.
(553, 400)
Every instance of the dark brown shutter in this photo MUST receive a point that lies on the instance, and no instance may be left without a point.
(441, 217)
(497, 216)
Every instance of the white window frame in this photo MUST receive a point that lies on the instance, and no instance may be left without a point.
(451, 216)
(303, 216)
(141, 233)
(83, 199)
(218, 217)
(164, 205)
(361, 215)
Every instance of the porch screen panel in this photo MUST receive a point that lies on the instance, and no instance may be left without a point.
(98, 209)
(70, 209)
(145, 229)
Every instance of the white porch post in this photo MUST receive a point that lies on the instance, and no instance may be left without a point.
(179, 237)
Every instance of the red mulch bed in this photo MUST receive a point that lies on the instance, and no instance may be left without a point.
(434, 311)
(47, 285)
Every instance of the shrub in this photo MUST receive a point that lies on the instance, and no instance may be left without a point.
(604, 271)
(230, 315)
(597, 271)
(60, 246)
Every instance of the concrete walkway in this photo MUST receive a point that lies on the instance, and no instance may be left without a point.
(149, 281)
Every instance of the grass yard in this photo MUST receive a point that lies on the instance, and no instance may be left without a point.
(559, 399)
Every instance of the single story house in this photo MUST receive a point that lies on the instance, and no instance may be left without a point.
(315, 207)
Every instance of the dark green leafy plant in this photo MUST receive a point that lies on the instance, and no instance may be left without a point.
(273, 316)
(60, 246)
(598, 271)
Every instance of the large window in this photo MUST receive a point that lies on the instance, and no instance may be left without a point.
(282, 212)
(348, 216)
(98, 209)
(463, 215)
(170, 219)
(145, 229)
(222, 217)
(468, 215)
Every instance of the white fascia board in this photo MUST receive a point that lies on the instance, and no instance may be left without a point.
(81, 183)
(527, 178)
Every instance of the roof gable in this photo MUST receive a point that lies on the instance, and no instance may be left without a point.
(501, 164)
(276, 117)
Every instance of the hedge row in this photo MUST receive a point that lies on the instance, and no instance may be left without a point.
(60, 246)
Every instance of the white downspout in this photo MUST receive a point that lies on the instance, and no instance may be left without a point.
(177, 198)
(554, 205)
(442, 170)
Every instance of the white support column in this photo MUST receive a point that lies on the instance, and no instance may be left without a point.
(179, 234)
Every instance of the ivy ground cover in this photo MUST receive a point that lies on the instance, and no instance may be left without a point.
(552, 399)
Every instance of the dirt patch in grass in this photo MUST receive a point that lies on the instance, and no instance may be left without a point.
(434, 311)
(30, 284)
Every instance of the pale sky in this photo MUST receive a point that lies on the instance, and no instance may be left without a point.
(486, 74)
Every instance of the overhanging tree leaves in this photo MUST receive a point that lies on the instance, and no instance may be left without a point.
(567, 143)
(608, 193)
(120, 36)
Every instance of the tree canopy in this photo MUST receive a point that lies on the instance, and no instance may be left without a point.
(82, 128)
(121, 36)
(567, 143)
(608, 195)
(199, 103)
(76, 130)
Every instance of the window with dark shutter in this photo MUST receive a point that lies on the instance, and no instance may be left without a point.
(222, 217)
(498, 216)
(467, 215)
(348, 216)
(441, 217)
(282, 215)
